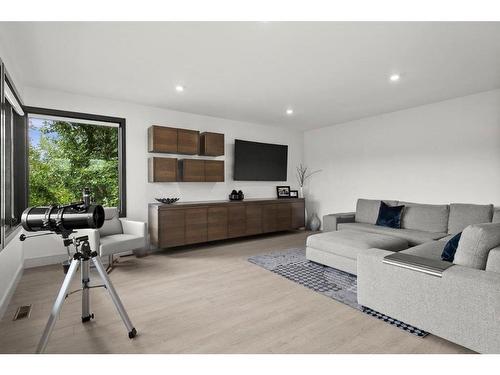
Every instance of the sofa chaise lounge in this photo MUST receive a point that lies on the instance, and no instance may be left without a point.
(463, 305)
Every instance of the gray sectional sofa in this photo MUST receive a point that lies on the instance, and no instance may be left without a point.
(463, 305)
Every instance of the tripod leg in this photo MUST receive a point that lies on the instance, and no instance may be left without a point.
(56, 309)
(86, 314)
(114, 296)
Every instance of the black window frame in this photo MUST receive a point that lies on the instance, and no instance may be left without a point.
(19, 153)
(122, 178)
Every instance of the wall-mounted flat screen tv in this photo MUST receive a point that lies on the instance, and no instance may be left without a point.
(254, 161)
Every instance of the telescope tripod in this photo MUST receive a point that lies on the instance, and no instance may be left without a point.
(81, 260)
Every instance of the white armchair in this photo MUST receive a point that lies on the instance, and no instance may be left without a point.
(117, 235)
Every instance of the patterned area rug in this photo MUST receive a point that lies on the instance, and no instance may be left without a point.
(333, 283)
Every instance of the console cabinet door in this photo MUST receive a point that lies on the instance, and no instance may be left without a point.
(298, 215)
(236, 221)
(171, 228)
(217, 223)
(268, 218)
(196, 225)
(254, 219)
(283, 216)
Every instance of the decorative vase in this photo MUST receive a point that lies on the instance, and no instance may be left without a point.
(315, 223)
(301, 192)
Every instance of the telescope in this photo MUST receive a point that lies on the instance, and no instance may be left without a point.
(64, 219)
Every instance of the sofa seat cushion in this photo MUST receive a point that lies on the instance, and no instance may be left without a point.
(118, 243)
(431, 250)
(476, 242)
(349, 243)
(462, 215)
(367, 210)
(414, 237)
(425, 217)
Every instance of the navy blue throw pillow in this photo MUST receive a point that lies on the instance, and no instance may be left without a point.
(451, 248)
(389, 216)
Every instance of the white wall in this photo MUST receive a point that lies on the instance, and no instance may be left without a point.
(139, 118)
(439, 153)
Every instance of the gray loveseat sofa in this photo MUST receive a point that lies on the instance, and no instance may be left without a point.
(462, 306)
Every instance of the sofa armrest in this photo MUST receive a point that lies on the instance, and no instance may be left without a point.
(330, 221)
(462, 306)
(136, 228)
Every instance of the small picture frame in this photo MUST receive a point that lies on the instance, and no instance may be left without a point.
(294, 193)
(283, 191)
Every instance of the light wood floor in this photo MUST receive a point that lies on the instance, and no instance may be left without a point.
(206, 299)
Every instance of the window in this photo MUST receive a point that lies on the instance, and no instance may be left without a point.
(13, 158)
(71, 151)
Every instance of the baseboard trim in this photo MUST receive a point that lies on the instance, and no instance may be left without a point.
(45, 261)
(4, 303)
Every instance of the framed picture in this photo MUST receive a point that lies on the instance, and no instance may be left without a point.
(283, 191)
(294, 193)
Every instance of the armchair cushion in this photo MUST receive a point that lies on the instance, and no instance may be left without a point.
(118, 243)
(112, 223)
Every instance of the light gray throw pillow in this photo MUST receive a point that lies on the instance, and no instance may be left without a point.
(112, 223)
(475, 243)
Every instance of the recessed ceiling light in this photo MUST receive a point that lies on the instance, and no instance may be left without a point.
(394, 77)
(289, 111)
(179, 88)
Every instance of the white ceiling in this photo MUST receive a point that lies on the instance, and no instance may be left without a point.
(327, 72)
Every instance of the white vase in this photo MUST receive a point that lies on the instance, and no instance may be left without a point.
(301, 192)
(315, 223)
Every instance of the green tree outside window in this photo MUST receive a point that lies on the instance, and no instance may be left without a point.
(65, 157)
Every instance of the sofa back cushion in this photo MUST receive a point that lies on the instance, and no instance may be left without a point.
(112, 223)
(425, 217)
(493, 262)
(475, 244)
(496, 215)
(367, 210)
(462, 215)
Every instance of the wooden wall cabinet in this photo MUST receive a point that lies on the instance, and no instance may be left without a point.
(188, 142)
(214, 170)
(197, 222)
(173, 140)
(162, 169)
(211, 144)
(192, 170)
(162, 139)
(199, 170)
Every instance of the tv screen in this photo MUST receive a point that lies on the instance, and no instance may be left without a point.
(254, 161)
